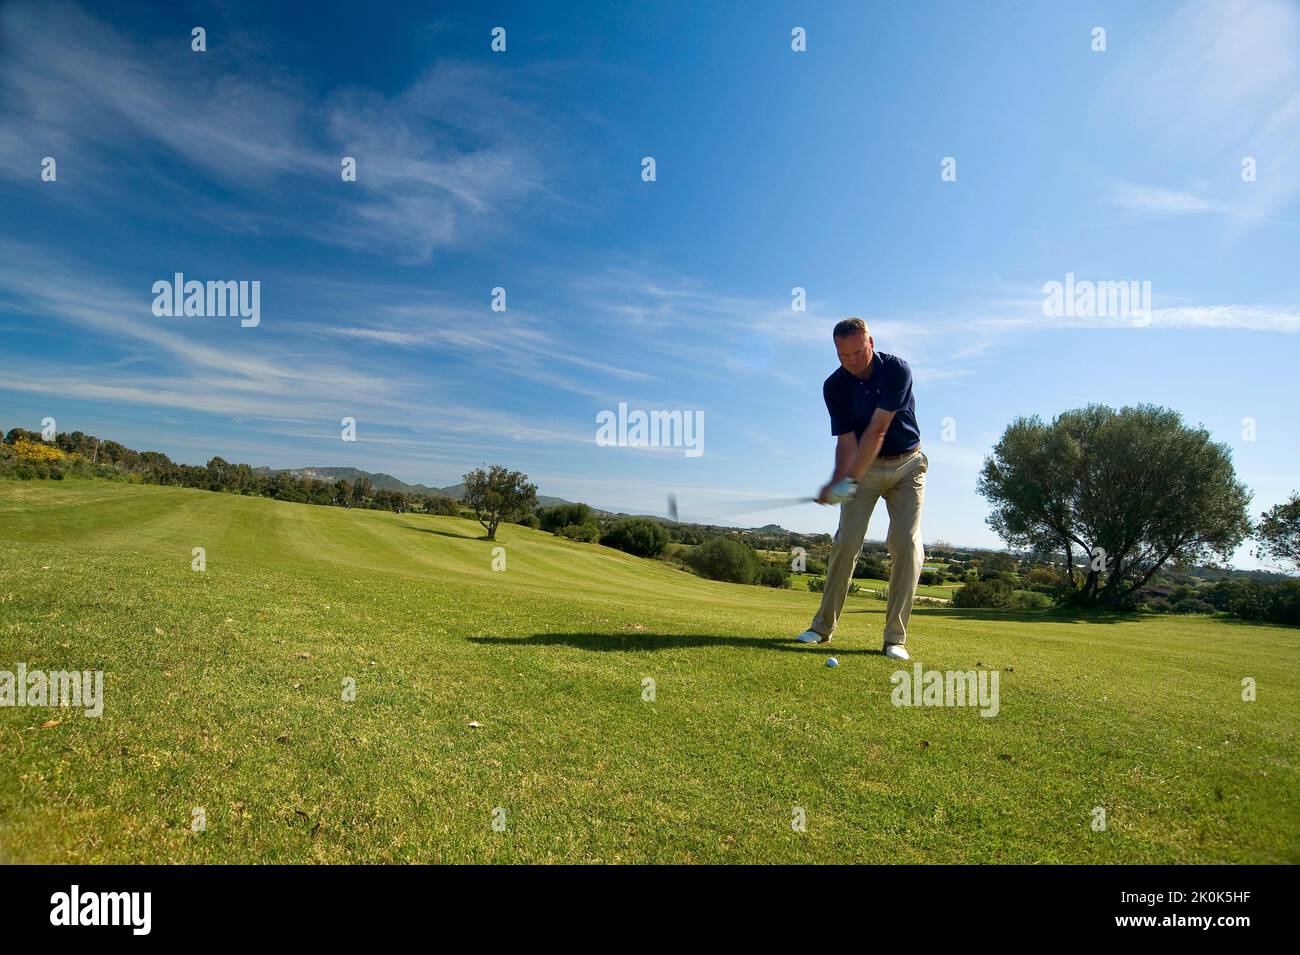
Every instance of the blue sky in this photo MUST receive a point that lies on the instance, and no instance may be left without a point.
(522, 169)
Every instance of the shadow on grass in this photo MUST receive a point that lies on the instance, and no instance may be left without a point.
(1239, 622)
(671, 641)
(434, 530)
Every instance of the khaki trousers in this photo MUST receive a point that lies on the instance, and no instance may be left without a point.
(901, 482)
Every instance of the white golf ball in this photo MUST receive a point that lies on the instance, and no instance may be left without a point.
(832, 662)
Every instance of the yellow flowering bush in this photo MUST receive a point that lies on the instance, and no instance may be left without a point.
(43, 453)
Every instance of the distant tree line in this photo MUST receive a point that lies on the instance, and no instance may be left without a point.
(25, 455)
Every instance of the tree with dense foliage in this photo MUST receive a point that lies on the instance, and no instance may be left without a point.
(1125, 490)
(1278, 534)
(562, 515)
(871, 567)
(725, 558)
(496, 494)
(637, 535)
(362, 489)
(774, 575)
(997, 561)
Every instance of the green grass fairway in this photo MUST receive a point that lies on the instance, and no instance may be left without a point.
(942, 591)
(223, 692)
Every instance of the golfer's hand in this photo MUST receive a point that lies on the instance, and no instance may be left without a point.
(838, 492)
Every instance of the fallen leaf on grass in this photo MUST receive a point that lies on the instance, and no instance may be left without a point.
(50, 724)
(304, 655)
(475, 724)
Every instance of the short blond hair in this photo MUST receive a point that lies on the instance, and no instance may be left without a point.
(850, 326)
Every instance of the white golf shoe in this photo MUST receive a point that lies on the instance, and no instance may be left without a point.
(812, 636)
(895, 651)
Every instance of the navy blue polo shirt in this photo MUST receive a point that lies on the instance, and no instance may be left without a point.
(852, 401)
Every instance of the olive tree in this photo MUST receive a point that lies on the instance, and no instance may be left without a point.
(1279, 533)
(1124, 491)
(496, 494)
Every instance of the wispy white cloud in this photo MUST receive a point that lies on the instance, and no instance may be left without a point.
(1027, 316)
(1253, 318)
(74, 87)
(1145, 198)
(1217, 81)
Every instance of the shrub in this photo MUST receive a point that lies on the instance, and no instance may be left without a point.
(1159, 605)
(871, 568)
(815, 566)
(637, 535)
(529, 520)
(439, 504)
(996, 594)
(1046, 580)
(1193, 605)
(818, 585)
(725, 558)
(774, 575)
(1004, 576)
(1030, 600)
(931, 577)
(588, 533)
(37, 451)
(559, 516)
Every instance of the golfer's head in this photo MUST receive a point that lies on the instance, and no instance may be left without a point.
(853, 342)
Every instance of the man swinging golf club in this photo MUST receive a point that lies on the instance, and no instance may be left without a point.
(877, 454)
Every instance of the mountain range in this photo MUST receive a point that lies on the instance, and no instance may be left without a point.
(386, 482)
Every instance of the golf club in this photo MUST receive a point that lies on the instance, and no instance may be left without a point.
(745, 507)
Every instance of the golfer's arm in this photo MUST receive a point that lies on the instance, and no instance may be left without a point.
(869, 446)
(846, 449)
